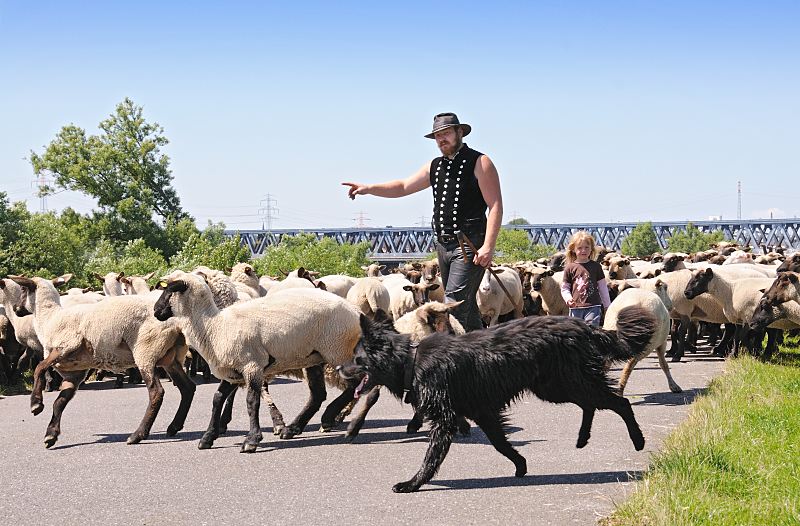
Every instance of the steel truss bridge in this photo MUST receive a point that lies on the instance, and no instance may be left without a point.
(408, 243)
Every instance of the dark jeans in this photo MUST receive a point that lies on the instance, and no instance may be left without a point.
(461, 280)
(590, 315)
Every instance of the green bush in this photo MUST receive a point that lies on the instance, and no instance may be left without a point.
(693, 240)
(513, 245)
(325, 256)
(641, 242)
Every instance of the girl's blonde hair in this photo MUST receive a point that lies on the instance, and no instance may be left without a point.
(578, 238)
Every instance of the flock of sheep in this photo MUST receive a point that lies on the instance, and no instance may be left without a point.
(249, 329)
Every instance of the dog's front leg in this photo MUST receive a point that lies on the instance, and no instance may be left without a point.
(439, 445)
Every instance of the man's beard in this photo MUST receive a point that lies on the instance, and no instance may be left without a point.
(450, 149)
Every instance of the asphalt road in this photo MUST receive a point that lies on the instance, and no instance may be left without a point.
(92, 477)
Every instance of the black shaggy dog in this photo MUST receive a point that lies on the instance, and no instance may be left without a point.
(478, 374)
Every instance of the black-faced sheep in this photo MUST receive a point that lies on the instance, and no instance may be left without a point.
(114, 335)
(249, 342)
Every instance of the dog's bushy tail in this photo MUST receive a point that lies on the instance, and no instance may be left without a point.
(635, 328)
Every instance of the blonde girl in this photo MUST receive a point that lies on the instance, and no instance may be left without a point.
(584, 285)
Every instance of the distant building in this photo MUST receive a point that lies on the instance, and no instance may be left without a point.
(715, 218)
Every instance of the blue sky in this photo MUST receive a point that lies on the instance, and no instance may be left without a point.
(592, 112)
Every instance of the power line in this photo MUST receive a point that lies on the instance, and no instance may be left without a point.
(269, 212)
(360, 220)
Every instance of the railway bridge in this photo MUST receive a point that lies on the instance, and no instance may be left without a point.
(396, 244)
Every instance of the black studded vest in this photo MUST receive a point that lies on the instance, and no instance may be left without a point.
(457, 200)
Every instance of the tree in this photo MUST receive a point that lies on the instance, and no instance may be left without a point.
(12, 219)
(47, 247)
(641, 242)
(513, 245)
(207, 249)
(693, 240)
(123, 168)
(519, 221)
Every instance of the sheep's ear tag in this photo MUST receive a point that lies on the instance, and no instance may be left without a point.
(162, 284)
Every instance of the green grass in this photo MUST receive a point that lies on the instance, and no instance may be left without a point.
(736, 459)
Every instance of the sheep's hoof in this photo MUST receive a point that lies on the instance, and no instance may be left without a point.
(50, 440)
(326, 428)
(173, 429)
(277, 430)
(248, 448)
(289, 432)
(205, 443)
(37, 407)
(675, 388)
(350, 438)
(135, 438)
(582, 441)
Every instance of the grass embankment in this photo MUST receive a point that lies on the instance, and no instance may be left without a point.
(736, 459)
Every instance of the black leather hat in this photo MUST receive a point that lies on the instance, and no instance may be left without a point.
(447, 120)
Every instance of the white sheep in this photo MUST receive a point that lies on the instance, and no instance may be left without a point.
(291, 283)
(136, 284)
(406, 296)
(493, 301)
(249, 342)
(245, 279)
(24, 331)
(111, 283)
(116, 334)
(222, 287)
(338, 284)
(657, 303)
(373, 270)
(739, 297)
(369, 295)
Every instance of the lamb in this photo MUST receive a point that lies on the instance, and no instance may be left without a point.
(10, 349)
(373, 270)
(249, 342)
(24, 331)
(369, 295)
(656, 303)
(405, 296)
(246, 281)
(338, 284)
(111, 283)
(430, 274)
(492, 300)
(791, 264)
(136, 284)
(291, 283)
(548, 284)
(266, 282)
(738, 257)
(115, 334)
(222, 287)
(620, 268)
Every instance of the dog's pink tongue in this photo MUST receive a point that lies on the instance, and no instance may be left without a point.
(361, 386)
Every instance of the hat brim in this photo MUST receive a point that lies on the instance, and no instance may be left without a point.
(466, 128)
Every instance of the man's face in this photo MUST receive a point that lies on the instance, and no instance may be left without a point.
(448, 140)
